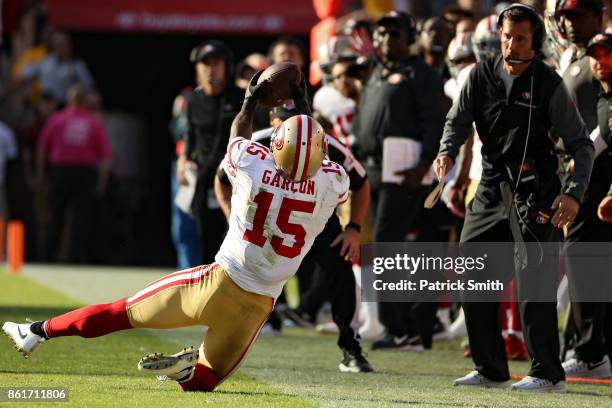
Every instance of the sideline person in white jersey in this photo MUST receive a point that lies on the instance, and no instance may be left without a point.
(281, 202)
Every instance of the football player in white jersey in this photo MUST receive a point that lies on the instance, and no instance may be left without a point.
(346, 67)
(281, 201)
(329, 261)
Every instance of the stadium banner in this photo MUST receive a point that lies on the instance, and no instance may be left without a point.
(264, 17)
(482, 271)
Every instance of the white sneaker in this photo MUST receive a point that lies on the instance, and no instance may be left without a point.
(535, 384)
(177, 367)
(25, 341)
(328, 328)
(579, 368)
(475, 379)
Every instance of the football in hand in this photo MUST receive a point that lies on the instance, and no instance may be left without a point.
(279, 88)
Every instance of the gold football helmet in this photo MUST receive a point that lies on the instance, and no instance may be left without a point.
(299, 147)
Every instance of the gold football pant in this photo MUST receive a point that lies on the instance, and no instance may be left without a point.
(204, 295)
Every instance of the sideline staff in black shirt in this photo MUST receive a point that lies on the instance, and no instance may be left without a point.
(515, 100)
(211, 109)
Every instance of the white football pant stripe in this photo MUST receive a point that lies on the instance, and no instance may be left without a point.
(170, 279)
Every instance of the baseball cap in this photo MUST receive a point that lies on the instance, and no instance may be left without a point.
(595, 6)
(600, 40)
(399, 18)
(210, 48)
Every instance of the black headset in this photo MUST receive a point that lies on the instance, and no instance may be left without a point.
(536, 19)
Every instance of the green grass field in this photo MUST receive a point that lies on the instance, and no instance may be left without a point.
(293, 370)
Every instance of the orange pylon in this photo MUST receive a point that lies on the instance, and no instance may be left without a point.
(2, 240)
(15, 245)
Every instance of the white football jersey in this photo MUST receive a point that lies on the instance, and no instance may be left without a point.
(337, 109)
(273, 221)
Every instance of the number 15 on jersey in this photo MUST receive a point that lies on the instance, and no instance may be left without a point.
(256, 235)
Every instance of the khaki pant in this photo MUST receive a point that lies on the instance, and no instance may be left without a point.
(204, 295)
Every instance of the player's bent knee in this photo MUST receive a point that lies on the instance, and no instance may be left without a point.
(203, 380)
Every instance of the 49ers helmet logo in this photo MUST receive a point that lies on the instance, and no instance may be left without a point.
(279, 139)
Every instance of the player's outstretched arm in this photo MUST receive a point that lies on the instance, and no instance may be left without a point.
(243, 122)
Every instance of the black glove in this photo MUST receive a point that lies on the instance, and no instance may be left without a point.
(253, 91)
(299, 94)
